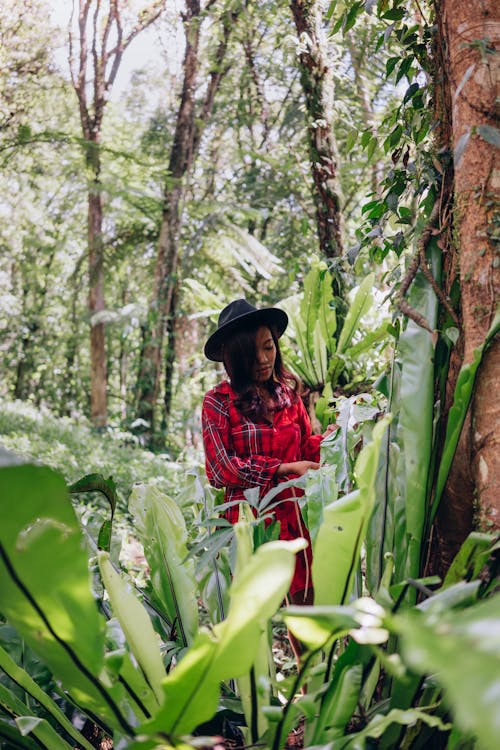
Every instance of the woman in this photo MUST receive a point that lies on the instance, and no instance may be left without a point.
(256, 431)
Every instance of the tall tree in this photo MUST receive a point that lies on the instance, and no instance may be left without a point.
(96, 52)
(317, 84)
(192, 117)
(466, 70)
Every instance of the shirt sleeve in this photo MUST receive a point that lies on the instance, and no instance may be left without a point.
(309, 448)
(224, 468)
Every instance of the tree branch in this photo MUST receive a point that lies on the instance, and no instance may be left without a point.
(419, 260)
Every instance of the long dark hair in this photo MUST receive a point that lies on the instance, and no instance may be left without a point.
(239, 355)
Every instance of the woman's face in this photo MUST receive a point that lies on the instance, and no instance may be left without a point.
(265, 355)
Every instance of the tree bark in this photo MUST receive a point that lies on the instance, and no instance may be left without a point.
(317, 84)
(96, 304)
(100, 46)
(181, 156)
(188, 131)
(465, 81)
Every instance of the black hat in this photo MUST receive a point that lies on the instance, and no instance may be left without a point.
(240, 314)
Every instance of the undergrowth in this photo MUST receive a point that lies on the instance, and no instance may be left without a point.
(74, 448)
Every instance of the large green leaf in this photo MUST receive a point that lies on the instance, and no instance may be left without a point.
(381, 529)
(416, 419)
(229, 649)
(45, 586)
(313, 324)
(470, 558)
(319, 317)
(27, 724)
(456, 417)
(162, 531)
(338, 543)
(253, 699)
(321, 489)
(10, 736)
(135, 623)
(461, 648)
(30, 687)
(316, 626)
(381, 722)
(339, 703)
(359, 307)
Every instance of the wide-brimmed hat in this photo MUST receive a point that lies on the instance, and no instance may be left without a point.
(241, 314)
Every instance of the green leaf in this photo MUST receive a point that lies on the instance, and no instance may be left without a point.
(30, 687)
(391, 64)
(41, 542)
(97, 483)
(404, 68)
(394, 14)
(410, 92)
(330, 10)
(456, 417)
(359, 307)
(352, 14)
(372, 145)
(395, 136)
(338, 544)
(381, 722)
(252, 699)
(162, 531)
(416, 419)
(470, 558)
(370, 338)
(27, 724)
(10, 736)
(339, 703)
(320, 490)
(318, 625)
(135, 623)
(313, 324)
(230, 648)
(462, 650)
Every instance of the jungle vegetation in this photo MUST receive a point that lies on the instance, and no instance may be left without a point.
(339, 159)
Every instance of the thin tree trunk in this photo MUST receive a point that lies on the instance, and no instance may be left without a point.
(317, 84)
(95, 56)
(71, 355)
(98, 369)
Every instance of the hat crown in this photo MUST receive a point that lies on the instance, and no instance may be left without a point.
(235, 309)
(241, 314)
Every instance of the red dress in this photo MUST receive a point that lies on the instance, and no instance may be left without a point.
(240, 454)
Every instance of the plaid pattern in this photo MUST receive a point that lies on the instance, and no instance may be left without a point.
(240, 454)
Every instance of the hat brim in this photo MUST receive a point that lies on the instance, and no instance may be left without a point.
(271, 316)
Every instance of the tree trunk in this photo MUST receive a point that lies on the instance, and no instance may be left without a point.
(95, 55)
(98, 375)
(467, 34)
(186, 142)
(317, 84)
(181, 156)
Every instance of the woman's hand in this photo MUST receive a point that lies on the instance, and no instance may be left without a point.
(296, 467)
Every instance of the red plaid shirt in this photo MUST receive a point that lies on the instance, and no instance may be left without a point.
(240, 454)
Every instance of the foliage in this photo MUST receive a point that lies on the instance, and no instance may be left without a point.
(328, 360)
(67, 444)
(25, 60)
(249, 191)
(96, 662)
(386, 647)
